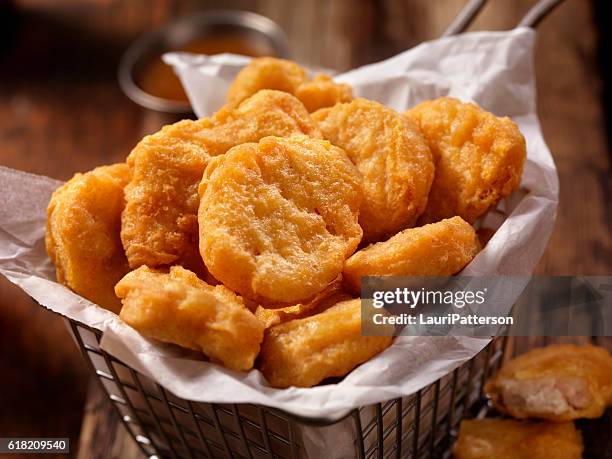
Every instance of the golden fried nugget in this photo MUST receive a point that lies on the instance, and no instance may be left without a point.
(393, 158)
(511, 439)
(159, 223)
(478, 157)
(438, 249)
(179, 308)
(327, 297)
(266, 113)
(266, 73)
(271, 317)
(278, 218)
(82, 238)
(304, 352)
(558, 382)
(188, 277)
(322, 91)
(287, 76)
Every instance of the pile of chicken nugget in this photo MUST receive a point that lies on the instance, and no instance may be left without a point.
(244, 236)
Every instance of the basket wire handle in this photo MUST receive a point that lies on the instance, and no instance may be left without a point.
(469, 12)
(465, 17)
(538, 12)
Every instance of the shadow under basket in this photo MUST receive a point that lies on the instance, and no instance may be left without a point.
(422, 425)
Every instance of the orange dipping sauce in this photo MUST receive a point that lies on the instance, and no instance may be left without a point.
(158, 79)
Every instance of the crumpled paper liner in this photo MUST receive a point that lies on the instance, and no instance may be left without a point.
(493, 69)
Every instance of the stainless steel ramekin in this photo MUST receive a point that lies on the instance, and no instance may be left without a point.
(182, 31)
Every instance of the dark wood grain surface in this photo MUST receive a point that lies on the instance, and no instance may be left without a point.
(61, 111)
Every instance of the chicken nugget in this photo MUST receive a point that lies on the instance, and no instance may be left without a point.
(557, 382)
(82, 238)
(511, 439)
(266, 73)
(278, 218)
(271, 317)
(438, 249)
(179, 308)
(304, 352)
(266, 113)
(329, 296)
(287, 76)
(393, 158)
(159, 223)
(478, 157)
(322, 91)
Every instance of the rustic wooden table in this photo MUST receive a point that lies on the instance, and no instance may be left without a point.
(61, 111)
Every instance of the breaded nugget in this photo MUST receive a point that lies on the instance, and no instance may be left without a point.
(266, 113)
(304, 352)
(82, 238)
(287, 76)
(266, 73)
(327, 297)
(478, 157)
(322, 91)
(159, 223)
(558, 382)
(393, 158)
(271, 317)
(511, 439)
(278, 218)
(179, 308)
(438, 249)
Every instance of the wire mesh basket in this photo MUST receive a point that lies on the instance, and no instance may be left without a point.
(418, 426)
(163, 425)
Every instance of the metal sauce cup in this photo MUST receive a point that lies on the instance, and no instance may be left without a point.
(183, 31)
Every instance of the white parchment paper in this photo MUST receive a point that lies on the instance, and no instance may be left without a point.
(493, 69)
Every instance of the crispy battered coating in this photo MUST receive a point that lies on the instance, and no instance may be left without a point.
(327, 297)
(266, 113)
(266, 73)
(438, 249)
(287, 76)
(393, 158)
(271, 317)
(159, 223)
(322, 91)
(304, 352)
(558, 382)
(478, 157)
(511, 439)
(179, 308)
(82, 238)
(278, 218)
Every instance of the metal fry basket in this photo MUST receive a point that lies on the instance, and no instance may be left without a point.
(418, 426)
(163, 425)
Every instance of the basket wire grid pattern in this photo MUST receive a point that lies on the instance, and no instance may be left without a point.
(163, 425)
